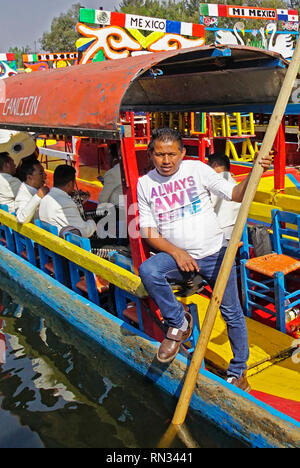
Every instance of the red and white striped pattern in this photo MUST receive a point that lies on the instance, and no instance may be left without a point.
(7, 57)
(237, 11)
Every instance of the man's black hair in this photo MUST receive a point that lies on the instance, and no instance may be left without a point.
(165, 134)
(4, 159)
(113, 150)
(29, 158)
(221, 159)
(63, 174)
(27, 167)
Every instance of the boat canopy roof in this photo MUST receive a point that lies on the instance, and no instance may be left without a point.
(88, 99)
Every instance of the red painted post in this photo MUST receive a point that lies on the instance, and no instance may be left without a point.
(132, 124)
(210, 134)
(148, 128)
(139, 249)
(202, 147)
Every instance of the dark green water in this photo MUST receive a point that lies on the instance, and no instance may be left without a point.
(60, 389)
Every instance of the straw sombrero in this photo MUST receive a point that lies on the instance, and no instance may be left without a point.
(17, 144)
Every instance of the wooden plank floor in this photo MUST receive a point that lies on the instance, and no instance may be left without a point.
(270, 370)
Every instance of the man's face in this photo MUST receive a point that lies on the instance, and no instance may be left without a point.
(37, 178)
(70, 187)
(167, 157)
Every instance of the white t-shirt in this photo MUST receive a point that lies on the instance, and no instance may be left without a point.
(226, 211)
(9, 187)
(180, 208)
(27, 203)
(58, 208)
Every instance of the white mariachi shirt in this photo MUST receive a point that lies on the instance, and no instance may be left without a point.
(58, 209)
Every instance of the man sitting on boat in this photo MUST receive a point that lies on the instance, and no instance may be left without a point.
(59, 209)
(32, 190)
(226, 211)
(14, 146)
(111, 198)
(177, 219)
(112, 185)
(9, 184)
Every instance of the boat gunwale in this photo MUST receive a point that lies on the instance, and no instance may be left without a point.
(109, 271)
(68, 131)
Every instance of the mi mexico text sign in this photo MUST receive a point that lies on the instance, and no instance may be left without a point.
(236, 11)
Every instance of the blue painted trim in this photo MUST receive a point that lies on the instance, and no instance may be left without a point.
(14, 273)
(215, 28)
(221, 52)
(294, 180)
(241, 163)
(259, 108)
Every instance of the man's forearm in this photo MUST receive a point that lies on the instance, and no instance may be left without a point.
(184, 260)
(239, 190)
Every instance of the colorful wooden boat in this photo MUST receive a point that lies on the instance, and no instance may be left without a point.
(87, 101)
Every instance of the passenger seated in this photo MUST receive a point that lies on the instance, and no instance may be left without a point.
(57, 207)
(32, 190)
(226, 211)
(9, 184)
(112, 185)
(111, 199)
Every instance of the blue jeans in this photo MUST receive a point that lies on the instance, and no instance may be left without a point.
(159, 268)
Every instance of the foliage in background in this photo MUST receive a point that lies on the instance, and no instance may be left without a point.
(63, 34)
(19, 51)
(186, 10)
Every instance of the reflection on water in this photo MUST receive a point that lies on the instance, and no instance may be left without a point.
(60, 389)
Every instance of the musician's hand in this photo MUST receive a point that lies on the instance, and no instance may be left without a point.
(85, 197)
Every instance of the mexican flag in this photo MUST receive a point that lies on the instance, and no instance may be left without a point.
(213, 9)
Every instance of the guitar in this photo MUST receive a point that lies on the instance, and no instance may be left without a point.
(18, 145)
